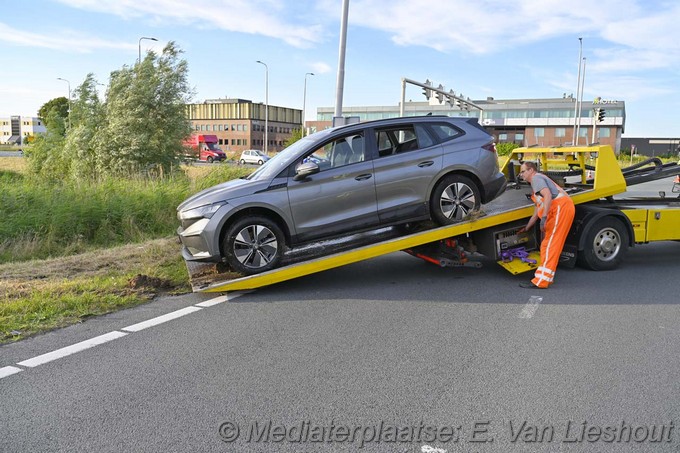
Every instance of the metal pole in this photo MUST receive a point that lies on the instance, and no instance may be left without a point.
(341, 59)
(304, 103)
(266, 105)
(580, 102)
(594, 125)
(578, 85)
(403, 97)
(69, 100)
(139, 45)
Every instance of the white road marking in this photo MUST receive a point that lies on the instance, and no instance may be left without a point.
(68, 350)
(211, 302)
(531, 307)
(8, 371)
(160, 319)
(87, 344)
(220, 299)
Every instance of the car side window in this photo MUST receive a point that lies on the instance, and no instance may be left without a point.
(445, 131)
(400, 139)
(342, 151)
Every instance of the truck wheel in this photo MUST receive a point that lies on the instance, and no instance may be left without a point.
(453, 199)
(253, 244)
(606, 245)
(210, 159)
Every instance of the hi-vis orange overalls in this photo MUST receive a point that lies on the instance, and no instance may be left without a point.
(557, 227)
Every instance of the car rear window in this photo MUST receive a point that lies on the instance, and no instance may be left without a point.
(445, 131)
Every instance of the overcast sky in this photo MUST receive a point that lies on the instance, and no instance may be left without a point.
(505, 49)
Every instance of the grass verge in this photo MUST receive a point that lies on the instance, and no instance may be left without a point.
(40, 295)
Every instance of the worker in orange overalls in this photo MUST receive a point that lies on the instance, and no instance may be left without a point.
(555, 210)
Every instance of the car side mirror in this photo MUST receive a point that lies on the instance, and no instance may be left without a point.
(306, 169)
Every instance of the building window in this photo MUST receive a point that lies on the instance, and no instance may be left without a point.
(560, 132)
(539, 132)
(245, 142)
(583, 132)
(233, 141)
(245, 127)
(233, 128)
(239, 127)
(502, 137)
(604, 132)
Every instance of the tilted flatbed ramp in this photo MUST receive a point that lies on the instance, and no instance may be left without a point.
(511, 206)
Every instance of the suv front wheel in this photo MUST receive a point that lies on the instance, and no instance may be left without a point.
(253, 245)
(453, 199)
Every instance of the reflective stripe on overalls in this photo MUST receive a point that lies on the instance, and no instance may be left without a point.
(557, 227)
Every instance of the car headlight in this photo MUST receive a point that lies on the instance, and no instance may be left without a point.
(201, 212)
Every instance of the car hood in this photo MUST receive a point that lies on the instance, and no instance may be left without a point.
(223, 192)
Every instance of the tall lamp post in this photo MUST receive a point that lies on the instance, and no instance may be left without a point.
(304, 103)
(266, 104)
(69, 100)
(139, 58)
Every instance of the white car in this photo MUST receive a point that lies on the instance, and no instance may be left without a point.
(253, 156)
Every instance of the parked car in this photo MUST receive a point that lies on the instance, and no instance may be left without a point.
(253, 156)
(342, 181)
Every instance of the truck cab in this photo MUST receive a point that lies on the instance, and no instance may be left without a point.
(204, 148)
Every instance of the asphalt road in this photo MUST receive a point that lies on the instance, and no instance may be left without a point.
(434, 354)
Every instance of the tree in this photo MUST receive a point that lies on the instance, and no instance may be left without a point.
(87, 116)
(145, 118)
(141, 125)
(46, 157)
(59, 105)
(295, 136)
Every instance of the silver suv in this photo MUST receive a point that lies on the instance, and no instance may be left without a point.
(341, 181)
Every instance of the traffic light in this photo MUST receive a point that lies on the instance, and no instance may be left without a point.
(440, 94)
(451, 98)
(427, 91)
(601, 113)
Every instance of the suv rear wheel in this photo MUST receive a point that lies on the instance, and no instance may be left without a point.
(253, 245)
(453, 199)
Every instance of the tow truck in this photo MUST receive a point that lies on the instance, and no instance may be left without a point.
(604, 227)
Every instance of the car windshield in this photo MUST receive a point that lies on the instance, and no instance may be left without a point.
(281, 160)
(212, 147)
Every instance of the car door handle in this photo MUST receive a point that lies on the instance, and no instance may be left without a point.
(427, 163)
(363, 177)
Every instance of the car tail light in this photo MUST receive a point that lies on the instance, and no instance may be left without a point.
(490, 147)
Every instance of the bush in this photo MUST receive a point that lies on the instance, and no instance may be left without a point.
(504, 149)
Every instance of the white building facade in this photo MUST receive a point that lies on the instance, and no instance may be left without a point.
(16, 129)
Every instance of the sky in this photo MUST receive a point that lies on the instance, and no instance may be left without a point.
(511, 49)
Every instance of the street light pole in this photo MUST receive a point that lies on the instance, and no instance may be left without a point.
(304, 103)
(139, 58)
(578, 88)
(266, 104)
(69, 100)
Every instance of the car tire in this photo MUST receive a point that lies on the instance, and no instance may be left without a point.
(242, 162)
(454, 197)
(606, 245)
(210, 159)
(253, 244)
(260, 162)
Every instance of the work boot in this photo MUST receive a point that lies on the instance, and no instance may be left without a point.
(528, 284)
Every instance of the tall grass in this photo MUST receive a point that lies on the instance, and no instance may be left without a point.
(40, 219)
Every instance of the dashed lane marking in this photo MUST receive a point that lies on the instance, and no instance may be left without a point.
(68, 350)
(8, 371)
(87, 344)
(530, 308)
(161, 319)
